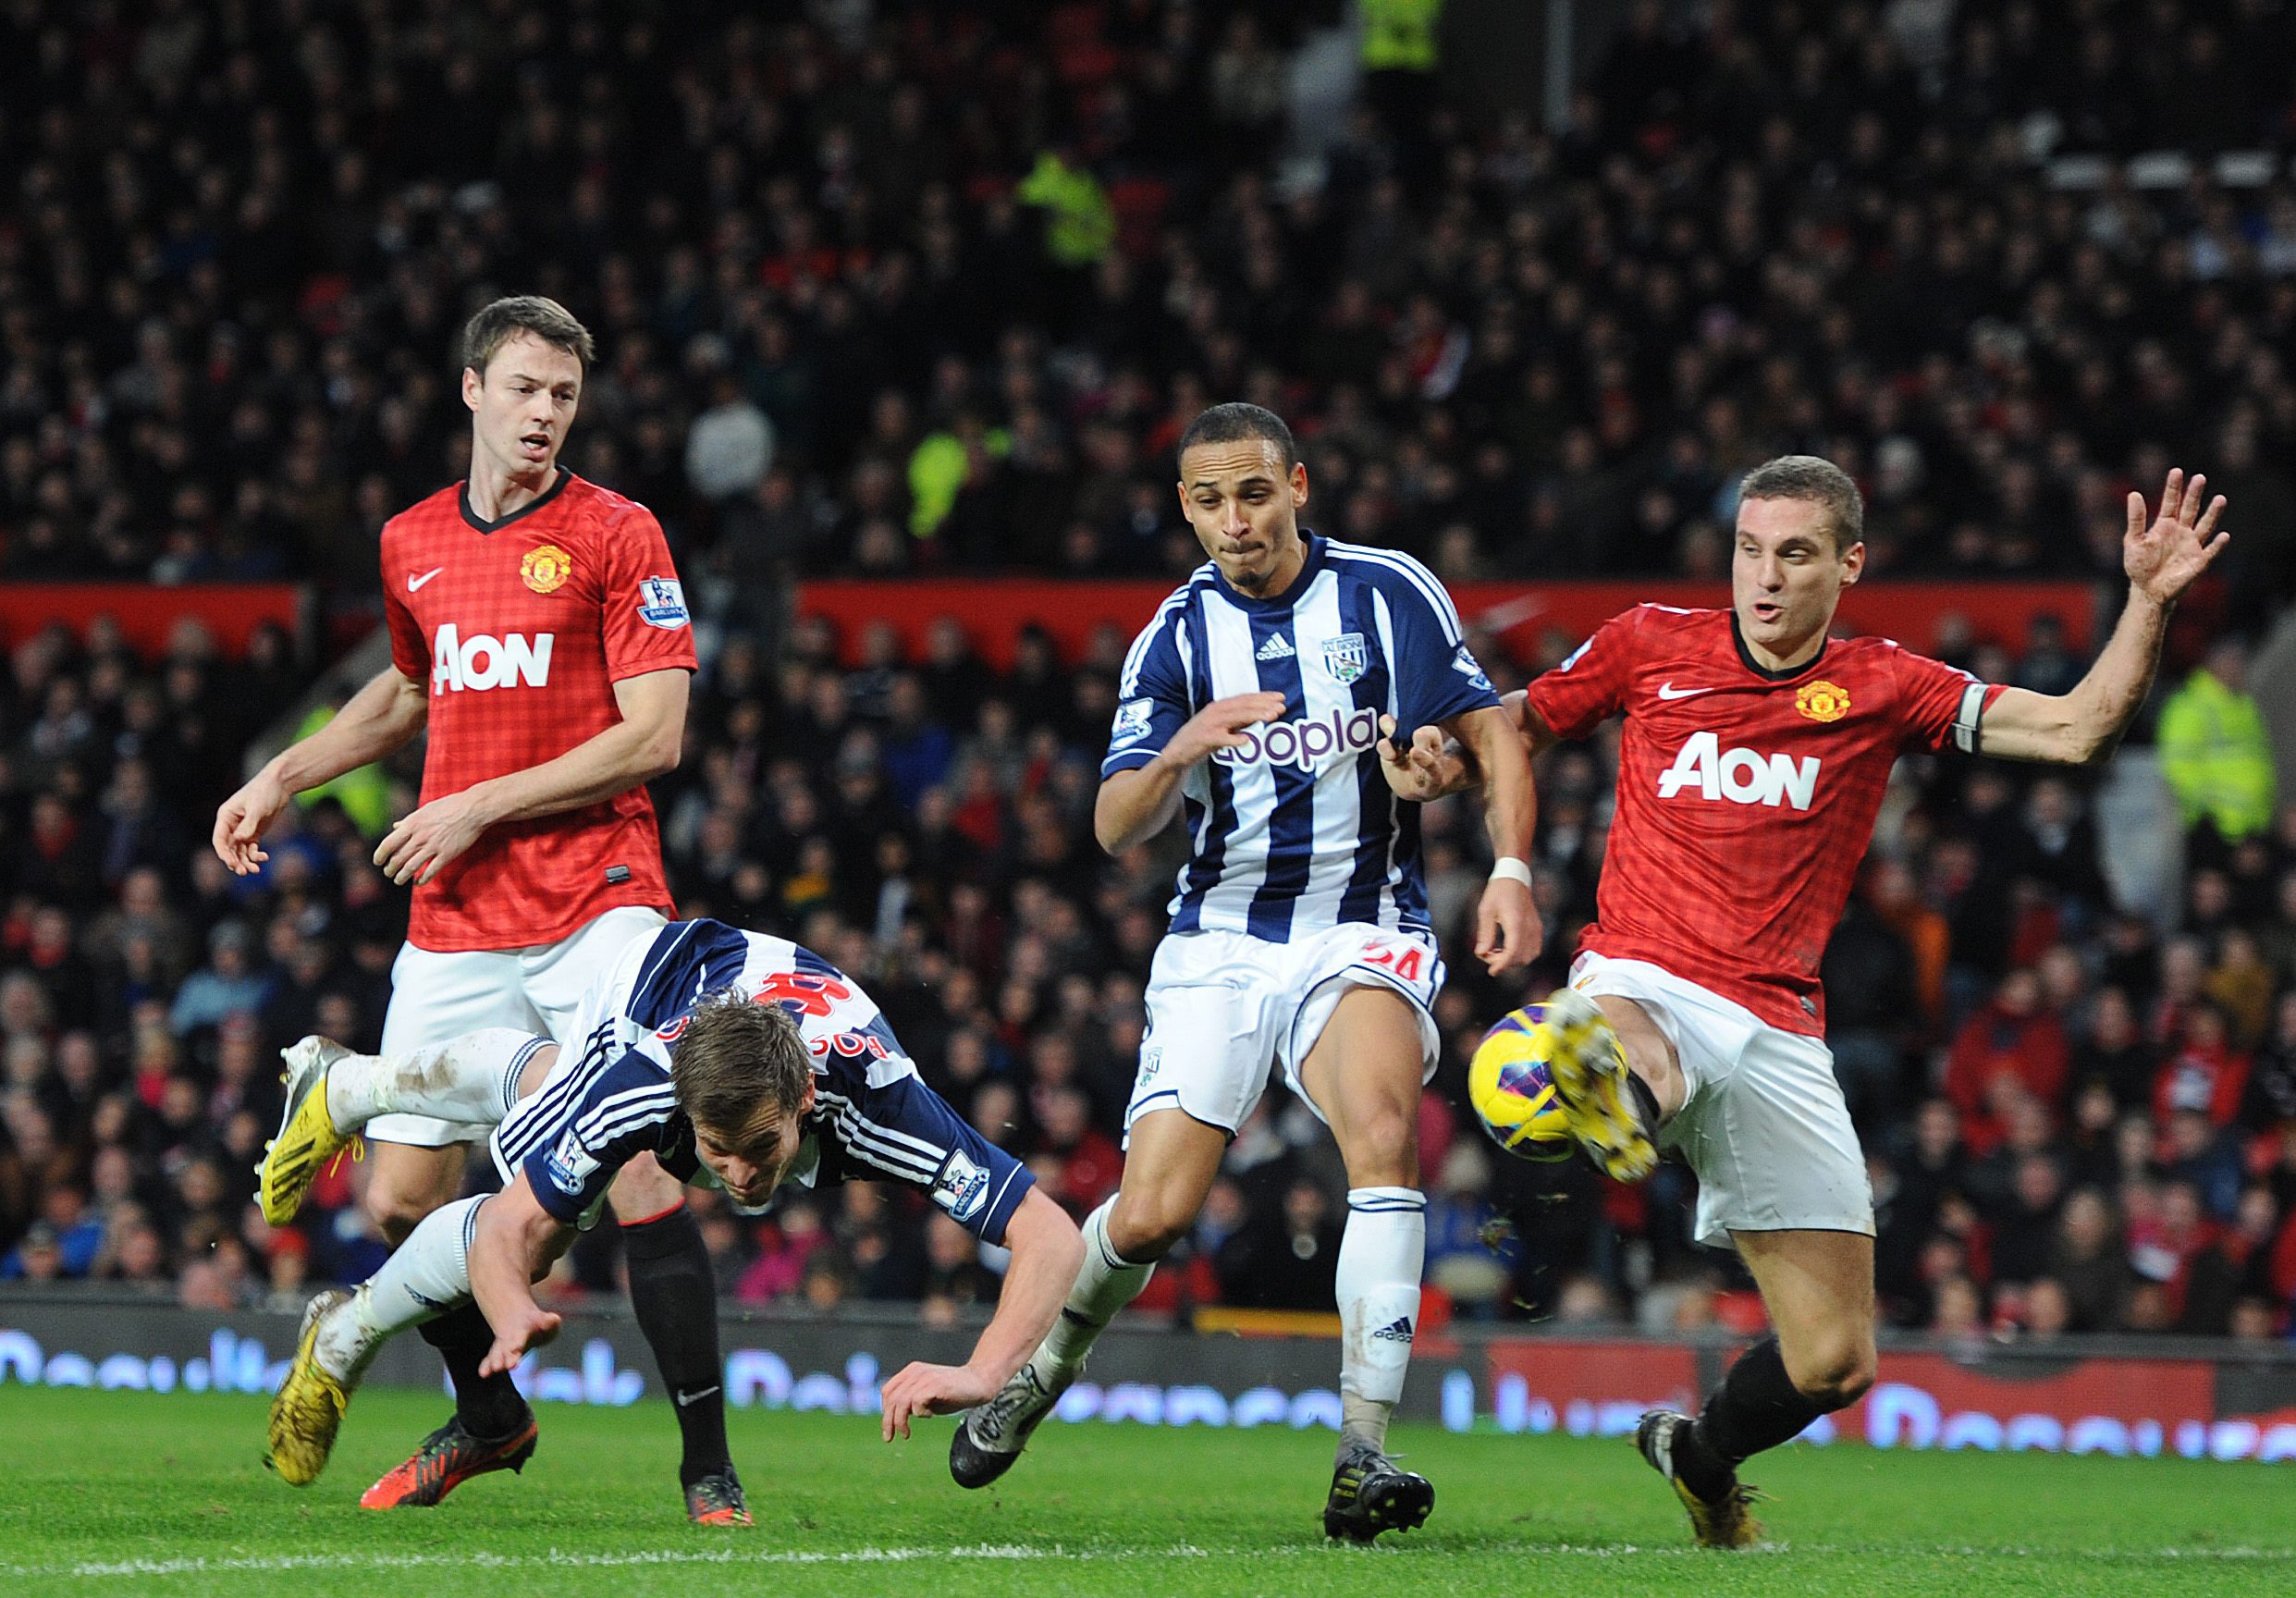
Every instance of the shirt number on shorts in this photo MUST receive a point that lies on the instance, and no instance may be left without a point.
(1408, 961)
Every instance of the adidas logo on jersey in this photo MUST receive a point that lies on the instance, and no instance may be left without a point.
(1740, 776)
(1275, 648)
(1396, 1331)
(483, 660)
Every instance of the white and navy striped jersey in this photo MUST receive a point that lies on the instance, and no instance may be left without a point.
(872, 1118)
(1297, 831)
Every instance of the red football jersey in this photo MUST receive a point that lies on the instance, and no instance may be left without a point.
(520, 628)
(1746, 800)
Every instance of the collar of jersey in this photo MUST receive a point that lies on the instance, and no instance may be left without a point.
(1745, 658)
(472, 518)
(1290, 597)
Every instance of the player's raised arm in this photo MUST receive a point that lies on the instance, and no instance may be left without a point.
(641, 746)
(513, 1241)
(382, 718)
(1047, 1250)
(2162, 559)
(1136, 803)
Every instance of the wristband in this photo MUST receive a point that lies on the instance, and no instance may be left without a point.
(1508, 868)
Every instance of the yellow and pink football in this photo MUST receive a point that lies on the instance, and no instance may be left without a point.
(1512, 1096)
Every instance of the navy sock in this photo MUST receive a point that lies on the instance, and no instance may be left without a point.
(489, 1406)
(674, 1295)
(1757, 1407)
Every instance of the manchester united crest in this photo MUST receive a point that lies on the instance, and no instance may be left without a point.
(546, 568)
(1822, 701)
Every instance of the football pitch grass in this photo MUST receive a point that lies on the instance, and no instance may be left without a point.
(119, 1492)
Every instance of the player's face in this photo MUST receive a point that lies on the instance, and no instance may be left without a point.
(523, 408)
(1786, 577)
(752, 1161)
(1244, 508)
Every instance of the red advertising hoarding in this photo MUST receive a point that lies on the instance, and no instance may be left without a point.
(147, 612)
(992, 611)
(1988, 1401)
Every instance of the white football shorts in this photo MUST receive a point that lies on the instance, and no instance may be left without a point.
(1225, 1008)
(1764, 1125)
(437, 995)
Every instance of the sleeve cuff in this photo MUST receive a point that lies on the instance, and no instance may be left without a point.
(621, 670)
(1130, 761)
(1007, 1200)
(565, 1210)
(1460, 703)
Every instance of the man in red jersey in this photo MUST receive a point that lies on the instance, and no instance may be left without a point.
(538, 630)
(1751, 768)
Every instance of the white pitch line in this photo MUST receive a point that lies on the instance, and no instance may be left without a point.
(97, 1570)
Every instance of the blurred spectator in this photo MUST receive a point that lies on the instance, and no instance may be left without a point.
(2012, 1036)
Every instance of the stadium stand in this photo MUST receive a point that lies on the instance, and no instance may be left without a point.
(882, 294)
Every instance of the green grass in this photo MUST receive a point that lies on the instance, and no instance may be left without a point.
(129, 1492)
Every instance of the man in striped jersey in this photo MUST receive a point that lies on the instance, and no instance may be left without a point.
(736, 1059)
(1254, 704)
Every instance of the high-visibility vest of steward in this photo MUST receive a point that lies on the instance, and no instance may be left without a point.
(1399, 35)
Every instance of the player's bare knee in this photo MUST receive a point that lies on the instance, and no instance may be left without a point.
(397, 1210)
(643, 1190)
(1836, 1372)
(1382, 1147)
(1145, 1225)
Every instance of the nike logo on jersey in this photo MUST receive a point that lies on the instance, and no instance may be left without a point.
(1668, 691)
(1275, 648)
(413, 582)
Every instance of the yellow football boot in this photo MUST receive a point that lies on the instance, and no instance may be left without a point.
(1589, 1071)
(1720, 1522)
(308, 1136)
(309, 1409)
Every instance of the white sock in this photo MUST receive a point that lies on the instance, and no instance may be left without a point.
(428, 1274)
(1107, 1283)
(472, 1078)
(1381, 1254)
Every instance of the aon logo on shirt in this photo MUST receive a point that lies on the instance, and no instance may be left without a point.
(482, 660)
(1739, 775)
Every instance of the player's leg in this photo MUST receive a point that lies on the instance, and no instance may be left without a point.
(1204, 1061)
(1780, 1176)
(673, 1288)
(1617, 1075)
(333, 1094)
(1818, 1287)
(416, 1164)
(1364, 1075)
(1170, 1159)
(426, 1277)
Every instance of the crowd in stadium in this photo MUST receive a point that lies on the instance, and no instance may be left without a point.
(893, 297)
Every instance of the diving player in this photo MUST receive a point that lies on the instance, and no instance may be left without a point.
(736, 1059)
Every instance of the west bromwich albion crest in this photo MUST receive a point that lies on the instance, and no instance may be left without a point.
(1345, 657)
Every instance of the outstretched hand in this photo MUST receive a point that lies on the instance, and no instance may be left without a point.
(920, 1390)
(2163, 559)
(526, 1330)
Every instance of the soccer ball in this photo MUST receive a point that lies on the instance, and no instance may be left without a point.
(1512, 1096)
